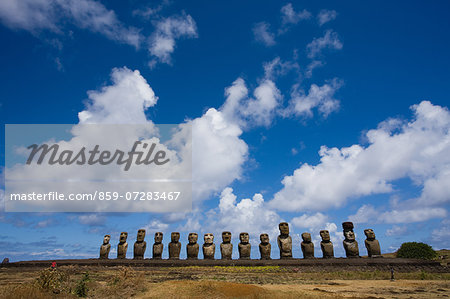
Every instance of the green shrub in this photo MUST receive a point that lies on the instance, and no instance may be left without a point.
(81, 289)
(414, 250)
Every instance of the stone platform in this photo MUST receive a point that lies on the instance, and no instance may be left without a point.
(306, 265)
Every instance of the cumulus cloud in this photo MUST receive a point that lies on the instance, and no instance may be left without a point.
(418, 150)
(262, 34)
(290, 17)
(41, 15)
(318, 97)
(326, 16)
(168, 30)
(330, 40)
(396, 230)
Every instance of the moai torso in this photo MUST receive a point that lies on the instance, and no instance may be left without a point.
(326, 245)
(284, 241)
(244, 247)
(307, 246)
(372, 244)
(264, 247)
(175, 246)
(158, 246)
(209, 248)
(192, 247)
(226, 248)
(122, 247)
(140, 245)
(105, 247)
(350, 243)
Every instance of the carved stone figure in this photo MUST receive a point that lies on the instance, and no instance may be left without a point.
(350, 244)
(326, 245)
(158, 246)
(104, 249)
(284, 241)
(372, 244)
(226, 248)
(307, 246)
(264, 247)
(244, 247)
(123, 246)
(192, 247)
(140, 245)
(209, 248)
(174, 246)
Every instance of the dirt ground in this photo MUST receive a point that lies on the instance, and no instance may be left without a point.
(217, 282)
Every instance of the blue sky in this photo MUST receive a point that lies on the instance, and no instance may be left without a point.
(367, 82)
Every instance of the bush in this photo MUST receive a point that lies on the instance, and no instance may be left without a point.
(81, 289)
(414, 250)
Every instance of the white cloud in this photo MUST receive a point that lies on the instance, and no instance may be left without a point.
(418, 150)
(40, 15)
(329, 41)
(310, 221)
(320, 97)
(263, 35)
(326, 16)
(442, 234)
(290, 17)
(276, 67)
(312, 66)
(168, 30)
(396, 230)
(92, 219)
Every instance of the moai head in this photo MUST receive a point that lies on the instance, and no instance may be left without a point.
(306, 237)
(264, 239)
(370, 235)
(140, 235)
(106, 239)
(175, 237)
(325, 235)
(244, 238)
(192, 238)
(226, 237)
(158, 237)
(284, 228)
(123, 237)
(208, 238)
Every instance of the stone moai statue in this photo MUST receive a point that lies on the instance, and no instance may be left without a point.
(326, 245)
(284, 241)
(372, 244)
(244, 247)
(307, 246)
(105, 247)
(158, 246)
(192, 247)
(226, 248)
(350, 244)
(264, 247)
(209, 248)
(140, 245)
(123, 246)
(174, 246)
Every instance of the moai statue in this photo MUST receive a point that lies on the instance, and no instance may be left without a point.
(350, 244)
(264, 247)
(326, 245)
(372, 244)
(158, 246)
(104, 249)
(123, 246)
(226, 248)
(192, 247)
(244, 247)
(209, 248)
(140, 245)
(174, 246)
(284, 241)
(307, 246)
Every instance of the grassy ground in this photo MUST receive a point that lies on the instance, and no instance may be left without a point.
(217, 282)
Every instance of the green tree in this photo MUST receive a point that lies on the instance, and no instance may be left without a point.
(414, 250)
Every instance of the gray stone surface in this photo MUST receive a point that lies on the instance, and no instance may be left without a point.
(226, 248)
(326, 245)
(350, 243)
(244, 246)
(307, 246)
(174, 246)
(372, 244)
(265, 249)
(209, 248)
(140, 245)
(105, 247)
(158, 246)
(192, 247)
(122, 247)
(284, 241)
